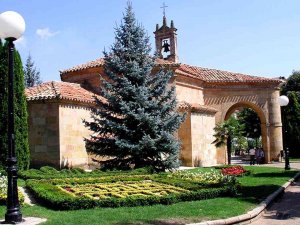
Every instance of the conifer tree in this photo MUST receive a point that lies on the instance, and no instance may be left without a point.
(134, 126)
(3, 104)
(31, 74)
(21, 125)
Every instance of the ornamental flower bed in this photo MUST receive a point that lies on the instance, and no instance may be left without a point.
(121, 190)
(205, 178)
(234, 171)
(3, 191)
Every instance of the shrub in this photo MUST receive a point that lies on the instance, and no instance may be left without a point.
(48, 172)
(48, 169)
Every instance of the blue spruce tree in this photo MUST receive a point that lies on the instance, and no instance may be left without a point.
(134, 126)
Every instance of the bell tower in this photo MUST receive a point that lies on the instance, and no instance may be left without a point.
(166, 41)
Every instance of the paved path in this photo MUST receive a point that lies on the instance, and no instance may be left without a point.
(285, 210)
(236, 160)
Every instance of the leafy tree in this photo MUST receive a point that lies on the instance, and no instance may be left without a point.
(225, 133)
(31, 74)
(251, 124)
(239, 143)
(292, 83)
(21, 126)
(135, 125)
(291, 113)
(292, 123)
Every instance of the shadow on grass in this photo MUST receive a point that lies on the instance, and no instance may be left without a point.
(256, 194)
(287, 174)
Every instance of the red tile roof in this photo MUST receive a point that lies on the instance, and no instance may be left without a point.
(59, 90)
(95, 63)
(204, 74)
(214, 75)
(100, 62)
(195, 107)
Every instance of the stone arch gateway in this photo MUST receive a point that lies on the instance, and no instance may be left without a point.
(263, 123)
(263, 99)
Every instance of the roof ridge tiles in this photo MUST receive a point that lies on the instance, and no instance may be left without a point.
(60, 90)
(217, 75)
(201, 73)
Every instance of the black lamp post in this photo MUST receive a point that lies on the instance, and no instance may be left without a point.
(12, 27)
(284, 101)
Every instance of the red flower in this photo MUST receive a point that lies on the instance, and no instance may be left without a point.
(233, 171)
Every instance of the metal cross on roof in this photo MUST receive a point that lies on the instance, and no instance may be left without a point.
(164, 8)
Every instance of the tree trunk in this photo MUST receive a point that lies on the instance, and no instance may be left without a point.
(229, 150)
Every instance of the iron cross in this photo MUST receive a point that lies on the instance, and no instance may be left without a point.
(164, 8)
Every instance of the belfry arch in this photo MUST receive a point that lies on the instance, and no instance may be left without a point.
(263, 122)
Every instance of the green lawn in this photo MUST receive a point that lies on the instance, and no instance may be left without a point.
(255, 187)
(293, 159)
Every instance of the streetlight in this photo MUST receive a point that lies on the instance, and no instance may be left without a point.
(12, 27)
(284, 101)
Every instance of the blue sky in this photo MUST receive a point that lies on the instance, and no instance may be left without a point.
(257, 37)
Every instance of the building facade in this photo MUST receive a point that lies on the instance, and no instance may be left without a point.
(208, 96)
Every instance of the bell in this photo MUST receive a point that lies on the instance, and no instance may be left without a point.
(166, 46)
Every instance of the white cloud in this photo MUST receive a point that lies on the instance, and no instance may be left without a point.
(21, 42)
(46, 33)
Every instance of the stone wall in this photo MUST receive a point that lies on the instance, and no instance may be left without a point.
(72, 134)
(189, 94)
(196, 136)
(56, 134)
(185, 137)
(44, 134)
(189, 90)
(204, 152)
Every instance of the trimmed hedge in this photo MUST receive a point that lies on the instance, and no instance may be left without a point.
(48, 172)
(53, 197)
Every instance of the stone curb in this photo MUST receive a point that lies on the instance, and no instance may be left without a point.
(254, 213)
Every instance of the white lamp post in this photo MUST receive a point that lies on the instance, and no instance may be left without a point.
(284, 101)
(12, 27)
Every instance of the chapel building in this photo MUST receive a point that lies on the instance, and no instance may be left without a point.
(208, 96)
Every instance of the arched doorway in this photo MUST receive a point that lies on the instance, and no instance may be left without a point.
(263, 123)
